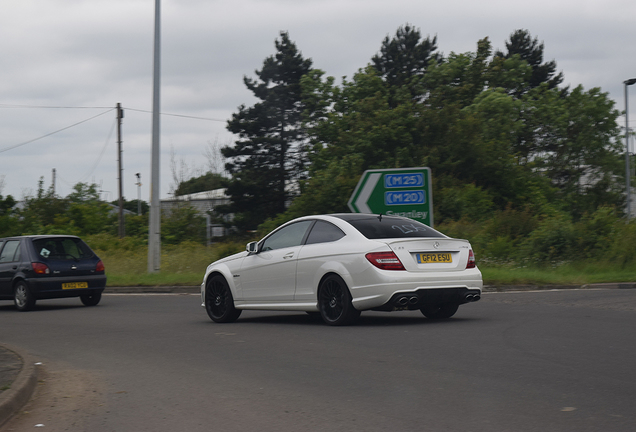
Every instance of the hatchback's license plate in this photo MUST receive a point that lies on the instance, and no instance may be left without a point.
(437, 257)
(74, 285)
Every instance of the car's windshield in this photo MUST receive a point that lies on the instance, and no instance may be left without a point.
(62, 248)
(382, 227)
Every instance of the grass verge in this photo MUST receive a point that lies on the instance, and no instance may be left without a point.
(185, 264)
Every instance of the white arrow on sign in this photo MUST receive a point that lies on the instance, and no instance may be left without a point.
(367, 190)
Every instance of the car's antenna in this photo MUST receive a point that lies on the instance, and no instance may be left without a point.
(380, 217)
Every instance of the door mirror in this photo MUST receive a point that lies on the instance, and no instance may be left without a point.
(252, 247)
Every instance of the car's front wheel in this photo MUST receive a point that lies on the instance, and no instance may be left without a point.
(334, 302)
(442, 311)
(23, 298)
(91, 299)
(219, 303)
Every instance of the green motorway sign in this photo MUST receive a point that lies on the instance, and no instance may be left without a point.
(398, 192)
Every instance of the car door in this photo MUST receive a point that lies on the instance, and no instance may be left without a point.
(9, 263)
(270, 274)
(319, 248)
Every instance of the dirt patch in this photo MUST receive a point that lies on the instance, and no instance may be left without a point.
(64, 400)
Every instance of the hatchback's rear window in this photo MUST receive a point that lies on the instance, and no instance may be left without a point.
(63, 248)
(384, 227)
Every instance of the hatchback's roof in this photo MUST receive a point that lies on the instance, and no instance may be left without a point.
(39, 236)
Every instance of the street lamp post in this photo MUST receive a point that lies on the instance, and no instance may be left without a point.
(138, 193)
(154, 220)
(628, 206)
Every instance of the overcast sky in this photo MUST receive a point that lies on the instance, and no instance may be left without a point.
(64, 62)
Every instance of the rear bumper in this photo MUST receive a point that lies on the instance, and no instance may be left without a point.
(430, 297)
(51, 287)
(429, 288)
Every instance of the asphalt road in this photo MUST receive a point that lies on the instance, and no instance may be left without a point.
(526, 361)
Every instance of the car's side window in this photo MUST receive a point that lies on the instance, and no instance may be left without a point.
(291, 235)
(10, 251)
(324, 232)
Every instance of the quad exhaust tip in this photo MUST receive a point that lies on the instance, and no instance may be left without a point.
(406, 300)
(472, 297)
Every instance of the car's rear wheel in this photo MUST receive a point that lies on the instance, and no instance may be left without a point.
(219, 303)
(442, 311)
(334, 302)
(23, 298)
(91, 299)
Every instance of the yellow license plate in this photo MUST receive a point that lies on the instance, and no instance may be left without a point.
(437, 257)
(74, 285)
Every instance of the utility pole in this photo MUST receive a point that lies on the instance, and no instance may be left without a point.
(120, 170)
(154, 223)
(53, 181)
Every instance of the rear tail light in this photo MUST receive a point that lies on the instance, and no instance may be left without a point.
(40, 268)
(471, 259)
(100, 266)
(385, 260)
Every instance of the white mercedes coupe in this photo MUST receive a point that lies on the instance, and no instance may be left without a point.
(341, 264)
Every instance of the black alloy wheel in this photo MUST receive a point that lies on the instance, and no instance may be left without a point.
(22, 297)
(334, 302)
(91, 299)
(219, 303)
(442, 311)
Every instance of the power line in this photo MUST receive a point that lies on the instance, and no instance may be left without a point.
(108, 109)
(101, 154)
(49, 107)
(53, 133)
(179, 115)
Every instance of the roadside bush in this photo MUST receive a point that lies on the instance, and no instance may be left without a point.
(621, 251)
(183, 224)
(595, 233)
(553, 242)
(468, 201)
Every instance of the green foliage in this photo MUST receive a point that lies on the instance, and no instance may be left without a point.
(207, 182)
(496, 131)
(126, 261)
(621, 251)
(522, 44)
(80, 213)
(133, 206)
(467, 201)
(226, 249)
(137, 226)
(181, 224)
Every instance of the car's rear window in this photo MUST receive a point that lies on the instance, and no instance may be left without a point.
(384, 227)
(62, 248)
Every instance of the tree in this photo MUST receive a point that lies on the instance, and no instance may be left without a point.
(404, 57)
(522, 44)
(203, 183)
(488, 148)
(8, 221)
(270, 155)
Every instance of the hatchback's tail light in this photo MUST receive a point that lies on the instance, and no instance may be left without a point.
(471, 259)
(100, 266)
(40, 268)
(385, 260)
